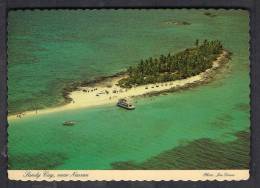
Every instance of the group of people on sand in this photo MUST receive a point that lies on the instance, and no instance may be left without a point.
(91, 90)
(115, 90)
(103, 91)
(158, 85)
(20, 115)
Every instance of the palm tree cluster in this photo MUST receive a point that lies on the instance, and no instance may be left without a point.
(189, 62)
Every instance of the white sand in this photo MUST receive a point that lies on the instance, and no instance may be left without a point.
(101, 94)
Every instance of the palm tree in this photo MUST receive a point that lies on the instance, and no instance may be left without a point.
(170, 67)
(197, 43)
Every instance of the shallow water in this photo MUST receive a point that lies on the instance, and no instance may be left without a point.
(49, 49)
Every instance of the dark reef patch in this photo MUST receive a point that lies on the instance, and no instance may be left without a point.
(222, 121)
(176, 22)
(203, 153)
(242, 107)
(209, 14)
(41, 161)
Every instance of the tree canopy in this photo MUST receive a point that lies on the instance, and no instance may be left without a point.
(189, 62)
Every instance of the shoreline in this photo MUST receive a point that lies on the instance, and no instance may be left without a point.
(104, 90)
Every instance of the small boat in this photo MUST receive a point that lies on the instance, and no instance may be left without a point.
(123, 103)
(69, 123)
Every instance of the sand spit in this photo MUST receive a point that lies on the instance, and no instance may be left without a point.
(107, 92)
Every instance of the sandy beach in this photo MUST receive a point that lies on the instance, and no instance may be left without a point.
(107, 91)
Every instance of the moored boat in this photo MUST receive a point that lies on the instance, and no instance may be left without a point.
(69, 123)
(123, 103)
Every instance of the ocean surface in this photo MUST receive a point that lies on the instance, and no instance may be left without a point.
(188, 129)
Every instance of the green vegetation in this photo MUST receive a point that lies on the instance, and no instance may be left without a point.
(189, 62)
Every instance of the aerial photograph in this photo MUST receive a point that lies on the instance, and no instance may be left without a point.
(128, 89)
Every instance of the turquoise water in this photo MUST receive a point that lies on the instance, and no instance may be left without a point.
(49, 49)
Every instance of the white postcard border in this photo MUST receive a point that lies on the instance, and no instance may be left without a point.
(128, 175)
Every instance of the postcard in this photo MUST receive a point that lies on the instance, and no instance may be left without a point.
(128, 94)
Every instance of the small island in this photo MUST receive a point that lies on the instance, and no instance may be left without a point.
(184, 64)
(166, 73)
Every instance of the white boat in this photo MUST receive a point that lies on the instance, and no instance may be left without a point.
(69, 123)
(123, 103)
